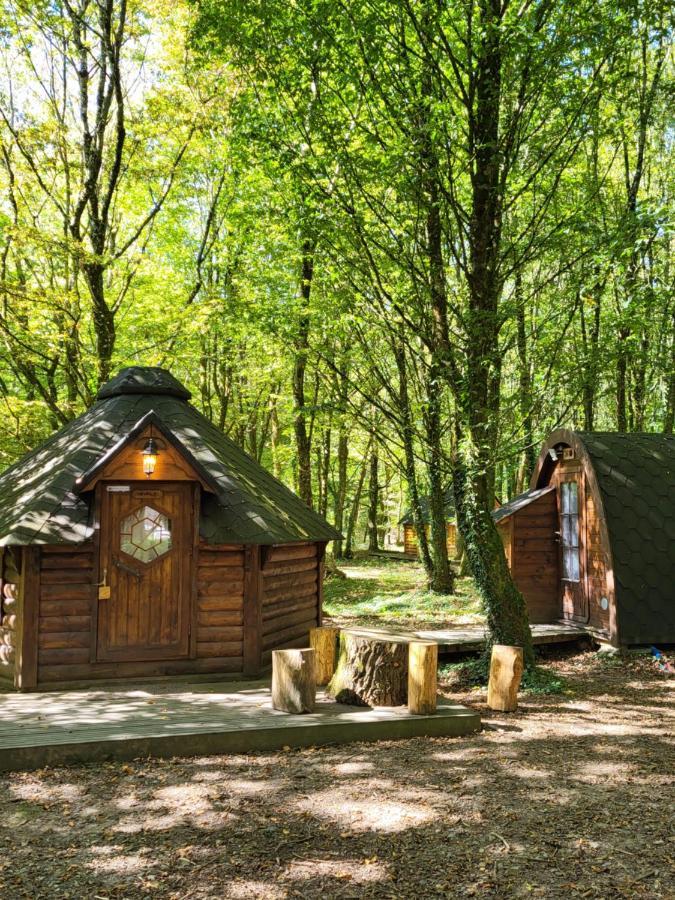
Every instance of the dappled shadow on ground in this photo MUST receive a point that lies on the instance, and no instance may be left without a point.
(570, 797)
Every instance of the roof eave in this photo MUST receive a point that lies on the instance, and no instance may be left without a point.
(150, 418)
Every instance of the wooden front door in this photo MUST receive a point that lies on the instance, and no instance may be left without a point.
(146, 542)
(572, 584)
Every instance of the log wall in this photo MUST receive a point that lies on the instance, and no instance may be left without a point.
(66, 591)
(10, 587)
(291, 596)
(410, 539)
(63, 586)
(220, 607)
(534, 557)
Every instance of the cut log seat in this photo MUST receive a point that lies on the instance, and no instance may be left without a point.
(293, 680)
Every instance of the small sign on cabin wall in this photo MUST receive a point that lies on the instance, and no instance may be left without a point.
(147, 495)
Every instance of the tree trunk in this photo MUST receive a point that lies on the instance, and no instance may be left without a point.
(373, 501)
(506, 613)
(590, 337)
(525, 384)
(341, 491)
(407, 436)
(441, 576)
(302, 440)
(354, 510)
(669, 418)
(622, 381)
(370, 672)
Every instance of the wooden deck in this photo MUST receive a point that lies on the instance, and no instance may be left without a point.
(165, 720)
(471, 638)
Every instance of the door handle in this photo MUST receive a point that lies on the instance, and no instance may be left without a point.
(128, 569)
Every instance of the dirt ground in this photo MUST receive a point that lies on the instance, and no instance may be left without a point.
(570, 797)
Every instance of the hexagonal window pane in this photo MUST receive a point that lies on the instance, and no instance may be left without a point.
(145, 534)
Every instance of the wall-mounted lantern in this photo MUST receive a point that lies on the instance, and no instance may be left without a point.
(150, 453)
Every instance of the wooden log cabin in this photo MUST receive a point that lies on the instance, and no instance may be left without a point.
(140, 541)
(592, 541)
(410, 532)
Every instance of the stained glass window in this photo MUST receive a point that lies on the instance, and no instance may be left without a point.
(145, 534)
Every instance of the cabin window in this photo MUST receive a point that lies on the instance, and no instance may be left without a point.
(569, 515)
(145, 534)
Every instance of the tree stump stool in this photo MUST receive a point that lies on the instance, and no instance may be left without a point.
(293, 680)
(372, 670)
(506, 669)
(323, 641)
(422, 677)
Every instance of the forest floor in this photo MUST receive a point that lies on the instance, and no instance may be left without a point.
(393, 593)
(570, 797)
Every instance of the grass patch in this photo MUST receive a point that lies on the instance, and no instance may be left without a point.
(393, 593)
(472, 674)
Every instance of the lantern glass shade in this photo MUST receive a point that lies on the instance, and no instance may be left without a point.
(149, 457)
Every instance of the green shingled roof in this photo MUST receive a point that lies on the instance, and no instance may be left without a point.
(425, 509)
(636, 477)
(39, 502)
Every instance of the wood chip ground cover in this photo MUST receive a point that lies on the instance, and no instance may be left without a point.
(570, 797)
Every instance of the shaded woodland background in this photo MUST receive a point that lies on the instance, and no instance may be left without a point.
(368, 237)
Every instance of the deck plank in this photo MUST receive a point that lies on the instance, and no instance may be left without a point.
(62, 728)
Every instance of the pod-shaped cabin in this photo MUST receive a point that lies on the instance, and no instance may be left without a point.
(593, 540)
(141, 541)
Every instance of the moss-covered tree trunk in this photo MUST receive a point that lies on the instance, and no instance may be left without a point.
(504, 605)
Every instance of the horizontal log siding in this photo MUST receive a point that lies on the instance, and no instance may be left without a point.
(10, 566)
(65, 611)
(535, 558)
(220, 607)
(290, 597)
(410, 539)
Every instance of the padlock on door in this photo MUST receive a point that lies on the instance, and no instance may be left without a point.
(104, 587)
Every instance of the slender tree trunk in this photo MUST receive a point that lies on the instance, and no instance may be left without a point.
(590, 336)
(354, 509)
(373, 500)
(640, 384)
(407, 435)
(525, 399)
(622, 381)
(441, 576)
(342, 461)
(303, 447)
(341, 492)
(669, 418)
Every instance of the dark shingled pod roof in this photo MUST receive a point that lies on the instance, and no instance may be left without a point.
(635, 475)
(39, 503)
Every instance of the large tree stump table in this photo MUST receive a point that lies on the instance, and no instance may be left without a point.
(372, 668)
